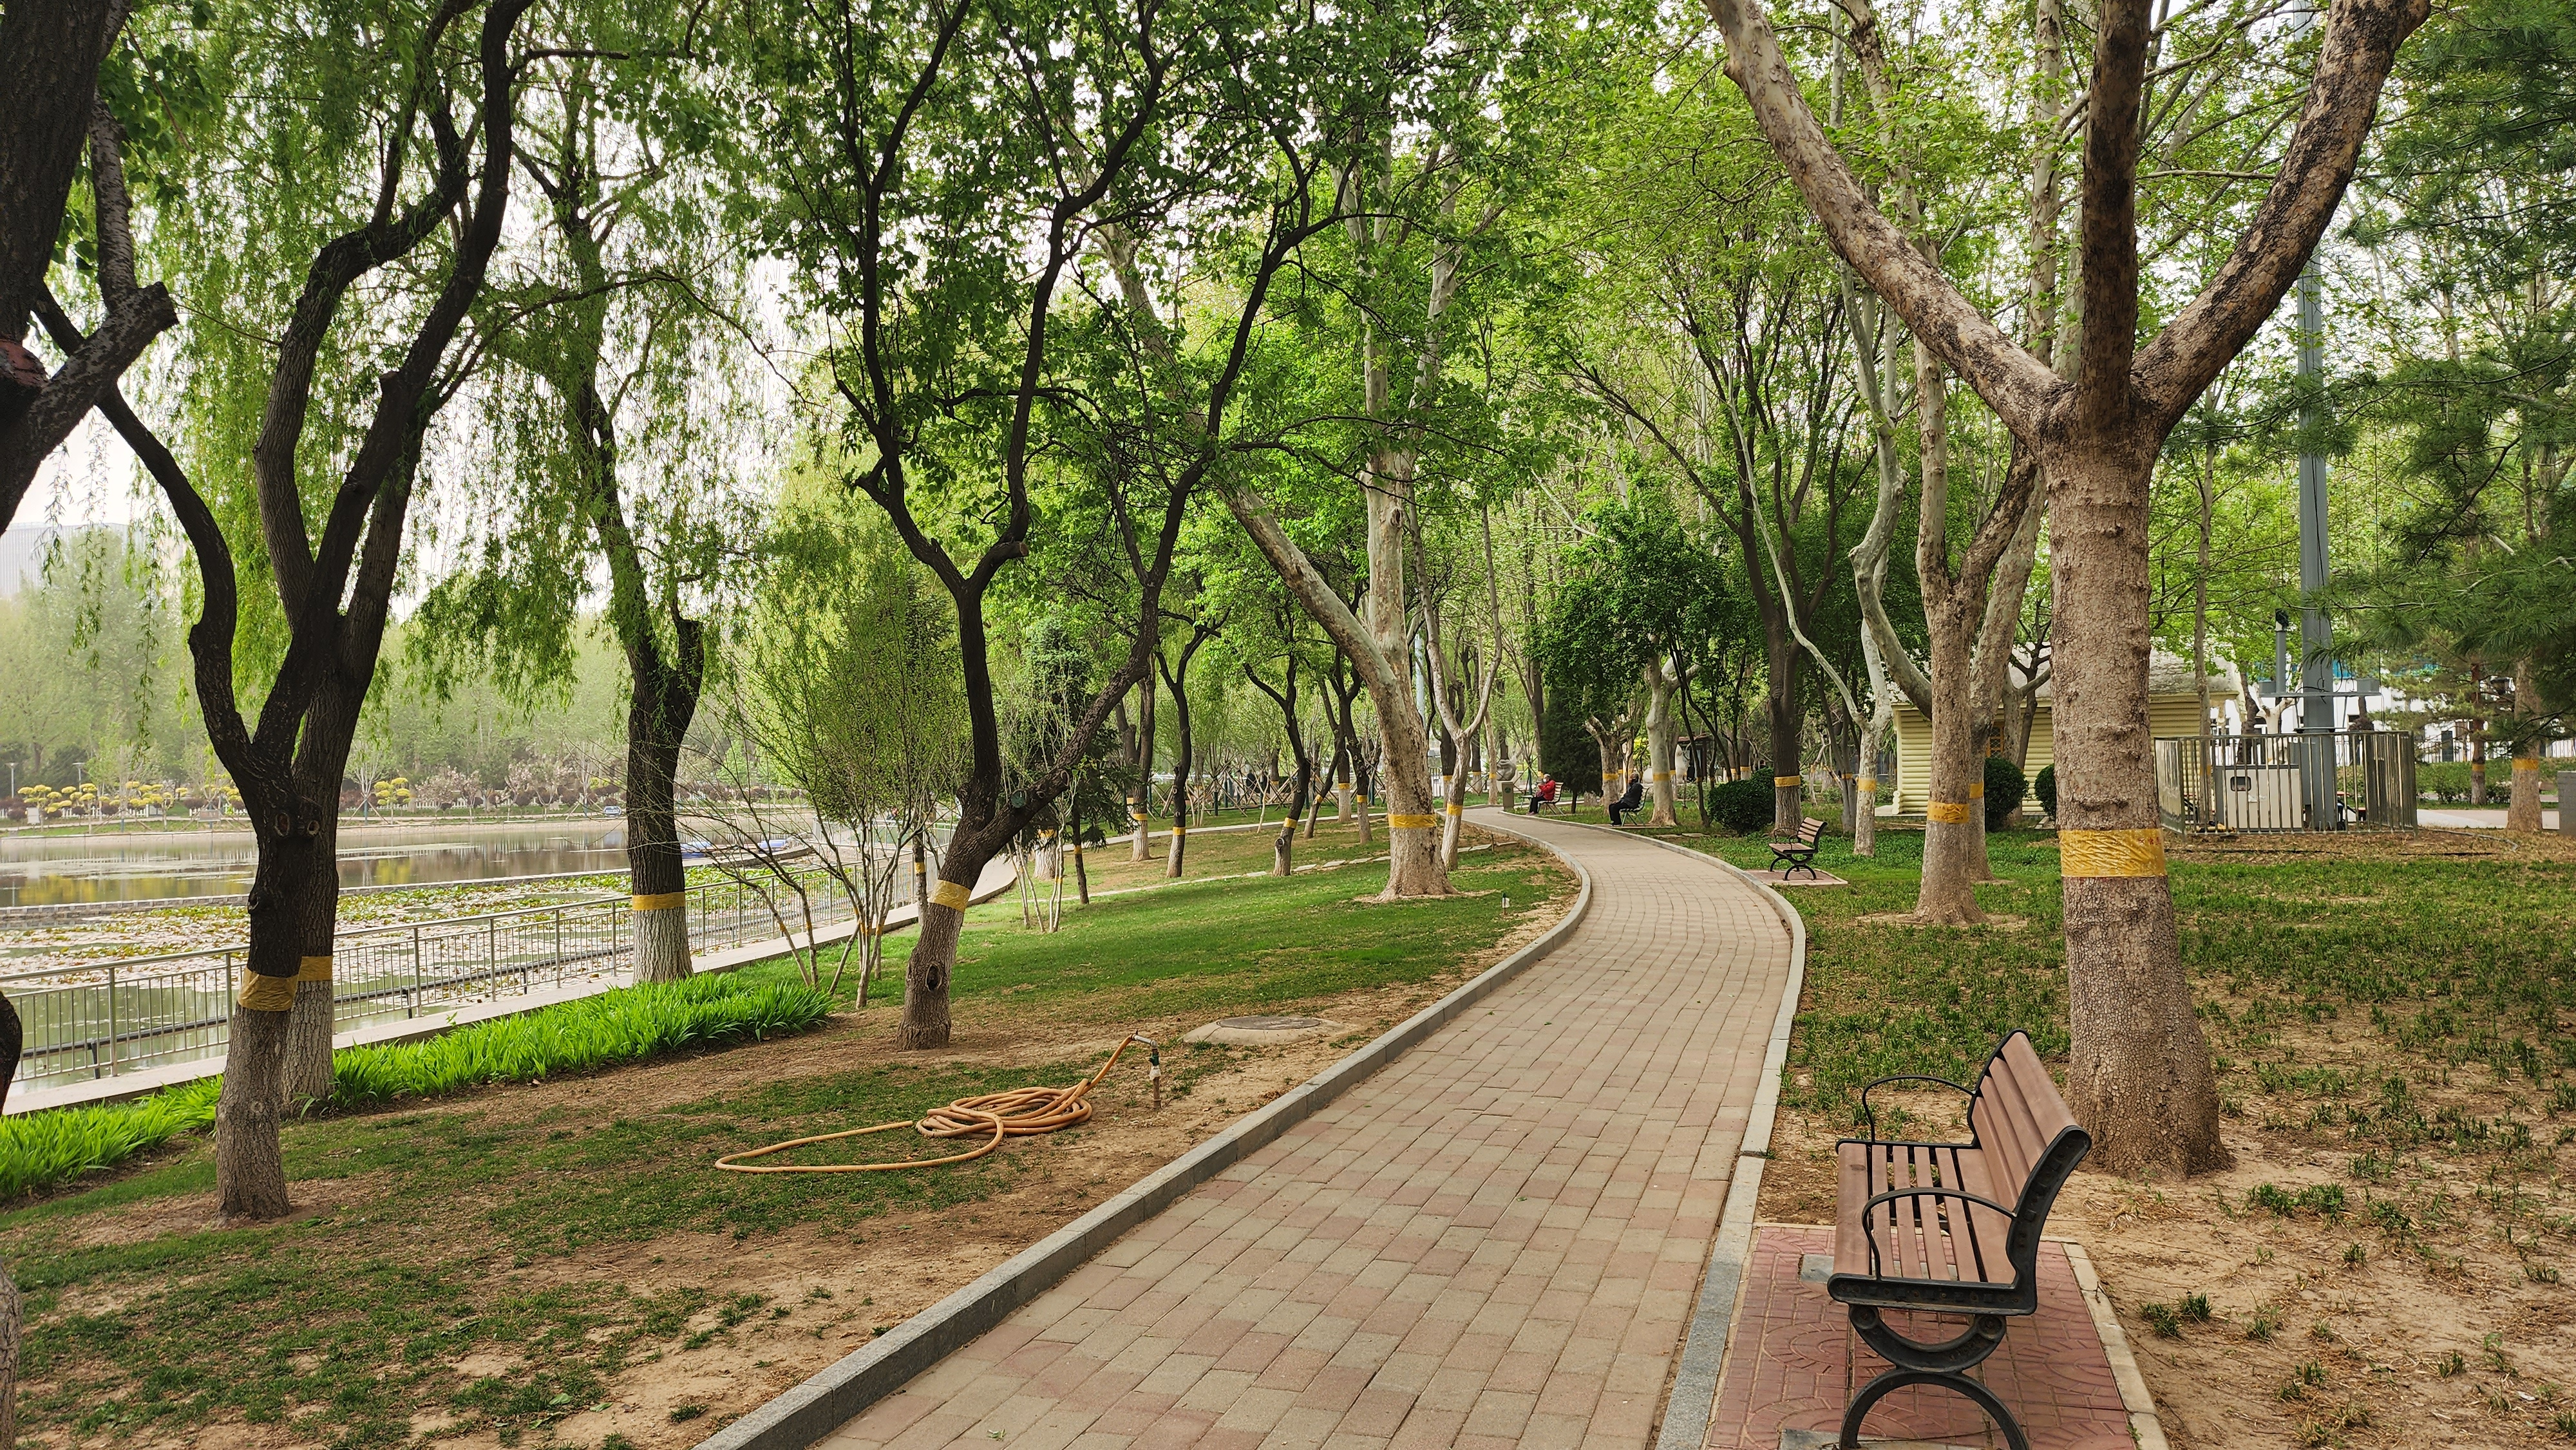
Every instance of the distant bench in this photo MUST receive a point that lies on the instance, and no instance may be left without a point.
(1952, 1228)
(1799, 854)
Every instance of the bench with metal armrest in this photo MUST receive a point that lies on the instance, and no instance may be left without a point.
(1799, 854)
(1952, 1228)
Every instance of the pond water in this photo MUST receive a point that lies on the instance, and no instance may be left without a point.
(163, 864)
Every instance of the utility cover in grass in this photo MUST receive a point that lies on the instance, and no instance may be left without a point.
(1255, 1031)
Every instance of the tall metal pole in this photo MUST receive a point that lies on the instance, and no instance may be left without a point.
(2316, 635)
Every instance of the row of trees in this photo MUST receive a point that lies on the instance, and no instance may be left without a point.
(924, 398)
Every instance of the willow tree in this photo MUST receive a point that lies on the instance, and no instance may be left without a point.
(2141, 1077)
(951, 166)
(622, 422)
(414, 210)
(54, 121)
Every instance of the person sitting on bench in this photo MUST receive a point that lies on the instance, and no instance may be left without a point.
(1630, 800)
(1543, 794)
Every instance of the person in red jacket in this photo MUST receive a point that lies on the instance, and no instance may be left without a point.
(1544, 796)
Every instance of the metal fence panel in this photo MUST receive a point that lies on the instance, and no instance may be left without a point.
(2260, 782)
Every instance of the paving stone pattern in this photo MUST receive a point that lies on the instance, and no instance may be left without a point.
(1793, 1363)
(1494, 1241)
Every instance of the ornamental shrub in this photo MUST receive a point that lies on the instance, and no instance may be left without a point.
(1743, 806)
(2046, 789)
(2006, 788)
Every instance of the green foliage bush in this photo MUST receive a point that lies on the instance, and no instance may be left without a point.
(2046, 789)
(2447, 781)
(1743, 806)
(2006, 789)
(38, 1150)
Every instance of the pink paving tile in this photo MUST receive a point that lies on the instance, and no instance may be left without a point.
(1793, 1363)
(1494, 1239)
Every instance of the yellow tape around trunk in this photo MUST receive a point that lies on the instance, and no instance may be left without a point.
(951, 894)
(2520, 764)
(1411, 823)
(1976, 790)
(313, 969)
(2138, 852)
(661, 901)
(1948, 813)
(1869, 782)
(266, 994)
(1457, 810)
(1783, 782)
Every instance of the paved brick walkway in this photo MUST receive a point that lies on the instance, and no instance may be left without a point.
(1494, 1241)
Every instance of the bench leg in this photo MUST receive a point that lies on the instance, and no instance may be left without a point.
(1897, 1379)
(1983, 1336)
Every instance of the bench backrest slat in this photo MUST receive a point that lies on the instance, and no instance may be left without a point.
(2030, 1140)
(1810, 831)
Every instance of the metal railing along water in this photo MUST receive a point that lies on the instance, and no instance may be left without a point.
(107, 1018)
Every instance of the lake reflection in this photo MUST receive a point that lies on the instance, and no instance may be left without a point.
(159, 865)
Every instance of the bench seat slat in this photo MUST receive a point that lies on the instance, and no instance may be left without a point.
(1922, 1239)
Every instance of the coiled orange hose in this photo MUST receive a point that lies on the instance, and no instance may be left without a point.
(1018, 1113)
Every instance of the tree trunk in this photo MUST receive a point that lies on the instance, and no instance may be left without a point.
(1873, 738)
(2477, 738)
(1178, 683)
(934, 952)
(1950, 839)
(2522, 807)
(1659, 744)
(660, 703)
(1786, 718)
(2140, 1078)
(310, 1022)
(1140, 800)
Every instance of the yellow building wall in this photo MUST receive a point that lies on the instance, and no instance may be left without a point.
(2167, 715)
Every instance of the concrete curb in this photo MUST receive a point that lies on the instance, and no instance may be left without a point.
(820, 1405)
(2144, 1427)
(1693, 1397)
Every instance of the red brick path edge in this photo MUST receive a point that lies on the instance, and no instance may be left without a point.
(814, 1409)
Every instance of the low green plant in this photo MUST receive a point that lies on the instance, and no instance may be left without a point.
(594, 1032)
(39, 1150)
(2451, 1363)
(2195, 1308)
(2044, 786)
(2162, 1319)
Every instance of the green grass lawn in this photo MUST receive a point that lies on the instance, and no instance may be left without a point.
(492, 1223)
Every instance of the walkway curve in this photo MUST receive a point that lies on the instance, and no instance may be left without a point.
(1495, 1240)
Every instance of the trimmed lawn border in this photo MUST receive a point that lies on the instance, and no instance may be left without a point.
(812, 1410)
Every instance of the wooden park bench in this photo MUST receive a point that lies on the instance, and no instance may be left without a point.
(1800, 854)
(1952, 1228)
